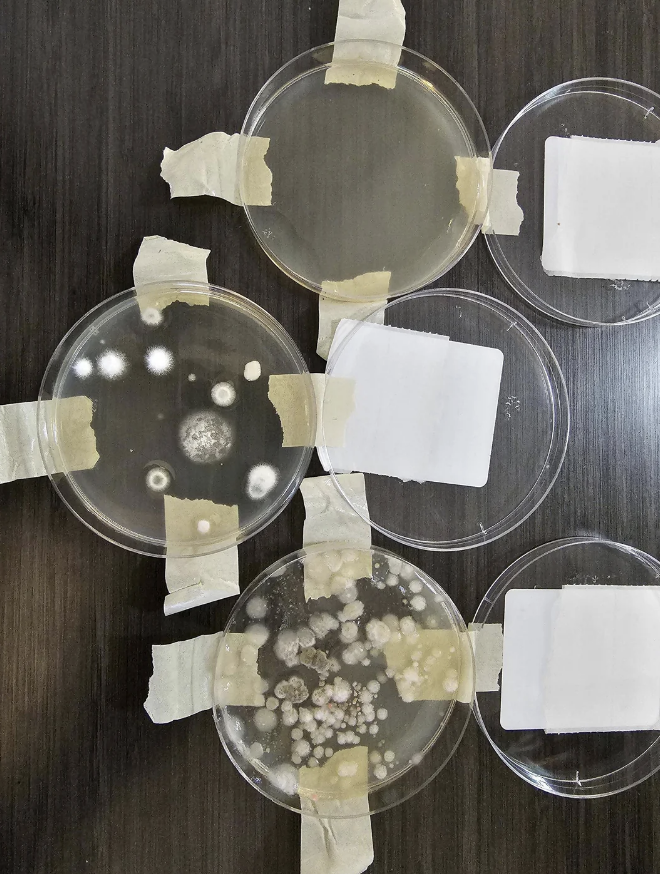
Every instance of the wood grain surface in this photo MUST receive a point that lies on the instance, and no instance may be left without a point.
(92, 90)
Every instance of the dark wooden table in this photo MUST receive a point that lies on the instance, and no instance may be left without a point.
(91, 92)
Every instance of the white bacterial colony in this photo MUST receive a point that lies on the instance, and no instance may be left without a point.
(159, 360)
(152, 316)
(261, 480)
(158, 479)
(203, 526)
(112, 364)
(223, 394)
(252, 371)
(205, 437)
(83, 368)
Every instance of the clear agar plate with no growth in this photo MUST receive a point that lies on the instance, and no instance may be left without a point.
(600, 108)
(433, 410)
(349, 700)
(585, 764)
(190, 455)
(365, 176)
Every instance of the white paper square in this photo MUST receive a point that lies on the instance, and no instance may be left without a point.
(601, 217)
(581, 658)
(425, 407)
(527, 631)
(604, 660)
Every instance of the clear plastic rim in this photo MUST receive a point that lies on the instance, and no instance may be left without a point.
(558, 443)
(459, 626)
(646, 764)
(112, 532)
(637, 94)
(257, 110)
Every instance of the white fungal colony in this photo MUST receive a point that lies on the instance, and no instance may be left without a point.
(252, 371)
(152, 316)
(205, 437)
(223, 394)
(83, 368)
(158, 479)
(261, 480)
(159, 360)
(112, 364)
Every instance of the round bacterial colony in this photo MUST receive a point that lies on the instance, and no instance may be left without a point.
(343, 675)
(161, 424)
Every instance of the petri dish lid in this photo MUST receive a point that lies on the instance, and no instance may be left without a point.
(350, 700)
(187, 454)
(584, 764)
(596, 107)
(437, 485)
(365, 203)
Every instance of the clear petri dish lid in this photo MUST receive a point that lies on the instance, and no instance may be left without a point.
(156, 424)
(600, 108)
(573, 763)
(344, 681)
(378, 188)
(456, 412)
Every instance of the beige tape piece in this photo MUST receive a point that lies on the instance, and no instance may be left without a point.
(199, 579)
(182, 682)
(367, 287)
(237, 680)
(345, 775)
(336, 846)
(67, 421)
(211, 166)
(334, 403)
(289, 394)
(443, 671)
(472, 179)
(502, 214)
(329, 518)
(331, 312)
(368, 63)
(163, 260)
(182, 679)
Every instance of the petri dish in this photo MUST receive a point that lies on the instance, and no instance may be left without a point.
(176, 379)
(575, 765)
(596, 107)
(363, 692)
(529, 424)
(365, 177)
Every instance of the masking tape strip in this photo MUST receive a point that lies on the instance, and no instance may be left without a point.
(441, 680)
(199, 579)
(210, 165)
(329, 518)
(331, 312)
(502, 215)
(20, 457)
(366, 64)
(366, 287)
(336, 846)
(163, 260)
(184, 673)
(182, 679)
(288, 393)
